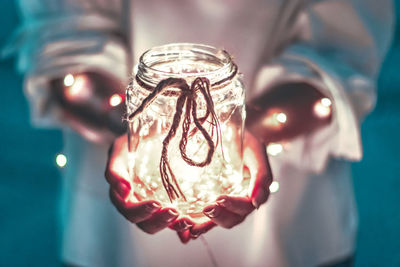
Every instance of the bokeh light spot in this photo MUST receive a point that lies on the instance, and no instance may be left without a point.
(326, 102)
(274, 187)
(69, 80)
(61, 160)
(80, 90)
(322, 108)
(274, 149)
(115, 100)
(281, 117)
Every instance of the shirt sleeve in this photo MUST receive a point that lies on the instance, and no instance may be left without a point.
(337, 46)
(57, 37)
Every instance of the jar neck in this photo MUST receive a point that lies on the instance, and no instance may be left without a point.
(187, 61)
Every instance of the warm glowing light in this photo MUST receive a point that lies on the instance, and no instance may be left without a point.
(196, 187)
(322, 108)
(69, 80)
(75, 89)
(281, 117)
(274, 149)
(80, 90)
(115, 100)
(326, 102)
(61, 160)
(274, 119)
(274, 187)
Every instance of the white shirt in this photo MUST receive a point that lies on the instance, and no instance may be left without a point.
(336, 45)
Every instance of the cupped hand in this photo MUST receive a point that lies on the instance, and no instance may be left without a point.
(147, 215)
(229, 211)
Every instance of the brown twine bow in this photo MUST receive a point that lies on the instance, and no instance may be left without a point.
(188, 96)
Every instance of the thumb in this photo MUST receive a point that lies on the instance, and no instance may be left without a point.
(256, 160)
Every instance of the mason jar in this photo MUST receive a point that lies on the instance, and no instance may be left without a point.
(166, 174)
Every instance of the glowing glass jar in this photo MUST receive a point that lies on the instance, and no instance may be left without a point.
(148, 129)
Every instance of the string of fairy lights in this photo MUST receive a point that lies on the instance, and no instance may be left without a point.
(74, 86)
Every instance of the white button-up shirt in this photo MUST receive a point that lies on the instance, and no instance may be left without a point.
(337, 46)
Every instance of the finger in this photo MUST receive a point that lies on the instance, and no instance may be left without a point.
(239, 205)
(199, 229)
(255, 158)
(118, 202)
(116, 169)
(158, 221)
(134, 212)
(184, 236)
(222, 216)
(181, 225)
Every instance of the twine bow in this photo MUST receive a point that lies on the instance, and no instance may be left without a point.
(188, 96)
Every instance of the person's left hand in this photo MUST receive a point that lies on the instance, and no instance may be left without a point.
(229, 211)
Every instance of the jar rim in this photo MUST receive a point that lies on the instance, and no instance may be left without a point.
(148, 73)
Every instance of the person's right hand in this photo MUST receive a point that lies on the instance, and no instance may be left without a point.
(147, 215)
(90, 103)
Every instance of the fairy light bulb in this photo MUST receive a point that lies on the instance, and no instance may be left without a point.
(61, 160)
(274, 187)
(77, 88)
(322, 108)
(274, 149)
(69, 80)
(115, 100)
(275, 119)
(281, 117)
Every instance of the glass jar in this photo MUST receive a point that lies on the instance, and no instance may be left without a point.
(194, 187)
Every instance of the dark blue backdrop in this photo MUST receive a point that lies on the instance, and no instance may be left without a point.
(30, 181)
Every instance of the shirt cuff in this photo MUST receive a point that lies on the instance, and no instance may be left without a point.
(341, 138)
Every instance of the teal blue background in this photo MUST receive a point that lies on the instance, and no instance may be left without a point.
(30, 181)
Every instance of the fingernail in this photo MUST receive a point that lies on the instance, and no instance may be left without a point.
(255, 204)
(211, 211)
(182, 225)
(122, 189)
(187, 224)
(153, 207)
(259, 198)
(195, 235)
(222, 202)
(156, 205)
(173, 213)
